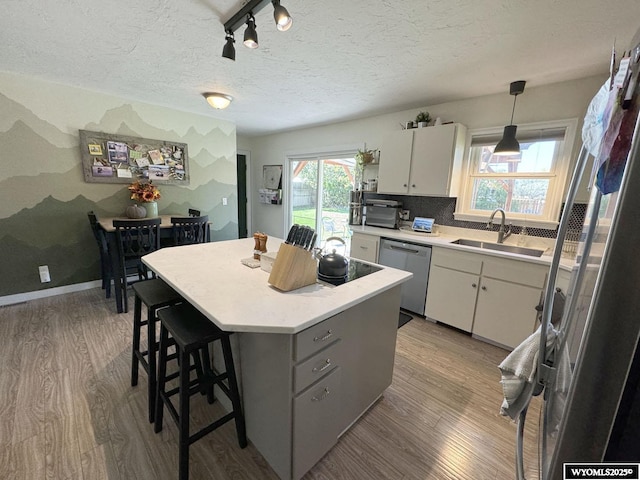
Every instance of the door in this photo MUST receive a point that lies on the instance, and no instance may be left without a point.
(431, 159)
(395, 162)
(241, 170)
(451, 297)
(320, 195)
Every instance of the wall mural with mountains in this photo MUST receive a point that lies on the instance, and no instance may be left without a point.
(43, 197)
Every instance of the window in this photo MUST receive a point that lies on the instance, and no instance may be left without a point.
(529, 186)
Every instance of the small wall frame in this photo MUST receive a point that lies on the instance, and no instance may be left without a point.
(112, 158)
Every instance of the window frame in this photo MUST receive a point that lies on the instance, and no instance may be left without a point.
(558, 175)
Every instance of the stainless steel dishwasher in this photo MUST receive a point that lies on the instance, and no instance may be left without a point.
(412, 258)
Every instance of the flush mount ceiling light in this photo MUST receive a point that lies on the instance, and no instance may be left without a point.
(509, 145)
(229, 51)
(250, 34)
(218, 100)
(246, 16)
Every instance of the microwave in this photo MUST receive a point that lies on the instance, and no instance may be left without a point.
(382, 213)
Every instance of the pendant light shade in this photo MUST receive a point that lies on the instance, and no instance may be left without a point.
(250, 34)
(509, 145)
(229, 51)
(218, 100)
(281, 16)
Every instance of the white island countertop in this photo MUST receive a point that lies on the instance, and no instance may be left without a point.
(239, 299)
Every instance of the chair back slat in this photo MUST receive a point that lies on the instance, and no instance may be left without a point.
(190, 230)
(136, 238)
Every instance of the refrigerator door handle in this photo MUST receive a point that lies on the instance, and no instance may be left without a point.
(520, 445)
(557, 252)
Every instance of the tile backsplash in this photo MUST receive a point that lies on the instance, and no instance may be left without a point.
(442, 208)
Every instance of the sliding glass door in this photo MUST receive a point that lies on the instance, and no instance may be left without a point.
(320, 195)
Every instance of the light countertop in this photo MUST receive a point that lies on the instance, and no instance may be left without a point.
(238, 298)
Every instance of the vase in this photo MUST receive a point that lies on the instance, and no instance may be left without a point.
(152, 209)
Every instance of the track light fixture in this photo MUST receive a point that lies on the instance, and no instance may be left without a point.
(250, 34)
(218, 100)
(229, 51)
(246, 16)
(509, 145)
(281, 16)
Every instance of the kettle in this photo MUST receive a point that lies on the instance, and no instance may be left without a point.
(332, 265)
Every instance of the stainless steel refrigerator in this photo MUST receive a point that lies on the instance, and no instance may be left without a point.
(591, 411)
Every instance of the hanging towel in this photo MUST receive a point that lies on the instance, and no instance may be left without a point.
(519, 370)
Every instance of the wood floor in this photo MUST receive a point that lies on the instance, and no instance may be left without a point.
(67, 410)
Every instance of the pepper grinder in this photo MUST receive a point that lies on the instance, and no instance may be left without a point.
(256, 246)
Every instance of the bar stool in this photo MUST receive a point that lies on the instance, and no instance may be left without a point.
(192, 333)
(155, 294)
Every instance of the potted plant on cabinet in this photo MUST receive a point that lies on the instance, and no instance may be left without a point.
(423, 119)
(365, 157)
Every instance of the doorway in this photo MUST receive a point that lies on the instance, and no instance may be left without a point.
(320, 195)
(242, 166)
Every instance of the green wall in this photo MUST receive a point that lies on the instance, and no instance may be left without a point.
(44, 200)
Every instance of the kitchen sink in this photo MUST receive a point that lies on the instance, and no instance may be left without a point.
(532, 252)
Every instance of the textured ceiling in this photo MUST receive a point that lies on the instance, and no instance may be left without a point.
(340, 60)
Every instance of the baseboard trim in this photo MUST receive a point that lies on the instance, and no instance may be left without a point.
(47, 292)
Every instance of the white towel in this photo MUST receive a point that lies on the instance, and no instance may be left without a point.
(519, 373)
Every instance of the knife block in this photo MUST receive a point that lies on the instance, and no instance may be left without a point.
(294, 267)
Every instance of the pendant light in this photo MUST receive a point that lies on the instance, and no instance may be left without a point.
(509, 145)
(250, 34)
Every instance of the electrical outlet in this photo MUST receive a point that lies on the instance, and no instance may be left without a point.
(224, 201)
(44, 273)
(405, 215)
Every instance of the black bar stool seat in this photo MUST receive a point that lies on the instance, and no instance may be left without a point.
(192, 333)
(155, 294)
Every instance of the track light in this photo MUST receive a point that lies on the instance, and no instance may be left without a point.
(229, 51)
(246, 16)
(250, 34)
(281, 16)
(509, 145)
(218, 100)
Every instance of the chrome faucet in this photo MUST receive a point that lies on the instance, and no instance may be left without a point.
(501, 233)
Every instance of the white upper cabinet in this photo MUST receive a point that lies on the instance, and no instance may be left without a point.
(422, 161)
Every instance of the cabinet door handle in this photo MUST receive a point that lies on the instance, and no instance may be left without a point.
(474, 285)
(326, 365)
(404, 184)
(483, 287)
(325, 393)
(325, 337)
(413, 185)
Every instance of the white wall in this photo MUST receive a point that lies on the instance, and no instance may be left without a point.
(550, 102)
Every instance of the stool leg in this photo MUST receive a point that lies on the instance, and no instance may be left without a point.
(233, 390)
(162, 378)
(208, 370)
(151, 360)
(137, 314)
(183, 453)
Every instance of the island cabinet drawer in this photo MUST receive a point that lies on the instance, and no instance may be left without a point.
(316, 367)
(316, 422)
(456, 260)
(309, 341)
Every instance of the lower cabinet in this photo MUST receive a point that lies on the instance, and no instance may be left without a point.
(493, 298)
(300, 392)
(365, 247)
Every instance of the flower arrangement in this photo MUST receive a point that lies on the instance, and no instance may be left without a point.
(144, 192)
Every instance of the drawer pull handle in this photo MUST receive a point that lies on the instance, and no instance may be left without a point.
(326, 365)
(363, 247)
(322, 339)
(325, 393)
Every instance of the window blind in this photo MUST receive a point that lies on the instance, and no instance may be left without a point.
(537, 135)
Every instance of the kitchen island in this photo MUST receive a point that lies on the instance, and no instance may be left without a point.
(311, 361)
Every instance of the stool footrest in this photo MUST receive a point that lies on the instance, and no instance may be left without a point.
(210, 428)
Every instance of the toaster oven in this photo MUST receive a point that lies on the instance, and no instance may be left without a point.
(383, 213)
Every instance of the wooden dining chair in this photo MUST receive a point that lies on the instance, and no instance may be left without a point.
(134, 239)
(105, 264)
(189, 230)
